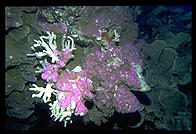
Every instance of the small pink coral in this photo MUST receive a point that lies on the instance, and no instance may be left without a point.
(125, 101)
(64, 99)
(50, 72)
(80, 108)
(64, 57)
(74, 86)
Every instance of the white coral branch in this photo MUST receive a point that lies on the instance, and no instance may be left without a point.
(49, 48)
(45, 92)
(67, 43)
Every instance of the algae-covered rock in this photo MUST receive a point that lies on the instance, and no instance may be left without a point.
(144, 49)
(164, 108)
(28, 73)
(162, 19)
(154, 105)
(166, 80)
(169, 38)
(156, 49)
(172, 40)
(78, 56)
(13, 81)
(13, 17)
(166, 60)
(31, 20)
(183, 38)
(172, 58)
(15, 41)
(182, 69)
(20, 33)
(95, 18)
(173, 100)
(94, 116)
(20, 105)
(17, 45)
(11, 49)
(129, 34)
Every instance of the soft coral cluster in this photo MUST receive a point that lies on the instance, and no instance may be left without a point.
(74, 86)
(114, 66)
(125, 101)
(111, 68)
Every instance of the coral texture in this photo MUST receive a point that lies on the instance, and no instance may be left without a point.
(114, 67)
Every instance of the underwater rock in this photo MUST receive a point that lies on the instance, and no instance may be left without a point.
(20, 33)
(20, 105)
(173, 100)
(13, 81)
(172, 40)
(166, 60)
(164, 108)
(169, 38)
(28, 73)
(183, 38)
(95, 116)
(13, 17)
(154, 103)
(156, 49)
(182, 69)
(31, 20)
(17, 45)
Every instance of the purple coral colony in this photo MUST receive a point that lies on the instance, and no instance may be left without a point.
(106, 75)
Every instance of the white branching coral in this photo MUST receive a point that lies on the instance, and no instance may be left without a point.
(68, 43)
(62, 114)
(48, 43)
(49, 46)
(44, 93)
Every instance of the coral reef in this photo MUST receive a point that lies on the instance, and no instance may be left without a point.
(109, 70)
(125, 101)
(90, 66)
(164, 78)
(71, 87)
